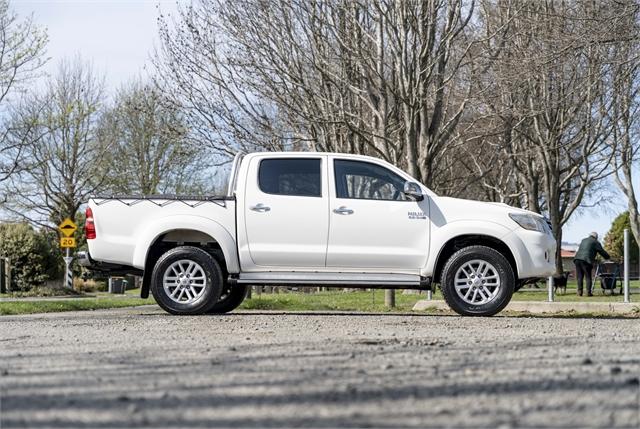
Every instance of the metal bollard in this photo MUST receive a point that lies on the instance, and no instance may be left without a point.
(389, 298)
(626, 265)
(3, 278)
(550, 285)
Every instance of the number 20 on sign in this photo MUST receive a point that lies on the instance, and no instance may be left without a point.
(67, 242)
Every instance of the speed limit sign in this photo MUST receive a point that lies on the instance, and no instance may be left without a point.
(67, 242)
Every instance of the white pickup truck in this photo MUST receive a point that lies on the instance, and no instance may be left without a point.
(300, 218)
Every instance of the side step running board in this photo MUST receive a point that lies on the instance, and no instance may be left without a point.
(384, 281)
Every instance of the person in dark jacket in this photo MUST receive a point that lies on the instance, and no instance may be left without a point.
(584, 259)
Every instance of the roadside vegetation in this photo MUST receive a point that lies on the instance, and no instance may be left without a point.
(365, 301)
(334, 300)
(32, 307)
(374, 300)
(82, 302)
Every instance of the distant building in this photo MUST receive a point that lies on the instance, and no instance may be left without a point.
(567, 253)
(567, 256)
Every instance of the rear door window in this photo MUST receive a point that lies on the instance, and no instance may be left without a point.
(290, 176)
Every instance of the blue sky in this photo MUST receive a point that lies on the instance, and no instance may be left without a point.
(117, 36)
(594, 219)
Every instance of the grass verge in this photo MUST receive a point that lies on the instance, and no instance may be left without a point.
(335, 300)
(374, 301)
(31, 307)
(365, 301)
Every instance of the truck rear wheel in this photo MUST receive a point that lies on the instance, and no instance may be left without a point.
(186, 280)
(231, 298)
(477, 281)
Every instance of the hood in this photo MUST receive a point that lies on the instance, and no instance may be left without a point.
(454, 209)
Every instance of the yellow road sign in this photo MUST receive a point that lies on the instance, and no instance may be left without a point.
(67, 228)
(67, 242)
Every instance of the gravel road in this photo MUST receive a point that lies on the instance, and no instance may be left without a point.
(143, 368)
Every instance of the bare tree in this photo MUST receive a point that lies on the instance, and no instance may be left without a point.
(61, 155)
(563, 90)
(22, 49)
(148, 150)
(197, 72)
(382, 78)
(548, 94)
(625, 94)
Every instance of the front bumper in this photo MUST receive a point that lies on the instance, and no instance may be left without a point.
(534, 252)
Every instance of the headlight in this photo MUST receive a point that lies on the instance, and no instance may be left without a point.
(530, 222)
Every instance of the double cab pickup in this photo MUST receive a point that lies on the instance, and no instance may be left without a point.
(321, 219)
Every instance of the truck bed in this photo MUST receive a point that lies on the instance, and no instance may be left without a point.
(128, 225)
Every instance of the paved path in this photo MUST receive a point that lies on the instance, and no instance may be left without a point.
(143, 368)
(544, 307)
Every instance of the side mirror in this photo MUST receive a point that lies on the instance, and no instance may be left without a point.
(413, 190)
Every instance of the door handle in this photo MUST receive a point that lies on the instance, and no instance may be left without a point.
(260, 208)
(343, 210)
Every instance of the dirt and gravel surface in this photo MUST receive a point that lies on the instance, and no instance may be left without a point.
(141, 367)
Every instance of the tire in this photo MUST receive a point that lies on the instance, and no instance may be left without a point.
(230, 299)
(198, 281)
(485, 281)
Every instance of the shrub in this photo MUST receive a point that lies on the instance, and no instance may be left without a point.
(614, 240)
(34, 258)
(89, 285)
(53, 254)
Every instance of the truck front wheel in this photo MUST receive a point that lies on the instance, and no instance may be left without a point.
(186, 280)
(477, 281)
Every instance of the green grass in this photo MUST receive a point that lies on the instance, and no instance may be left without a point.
(95, 301)
(366, 301)
(40, 291)
(31, 307)
(334, 300)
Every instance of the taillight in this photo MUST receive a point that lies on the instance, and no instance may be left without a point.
(89, 226)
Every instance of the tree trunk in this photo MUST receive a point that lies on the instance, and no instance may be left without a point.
(558, 236)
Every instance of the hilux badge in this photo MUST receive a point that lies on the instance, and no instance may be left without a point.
(417, 215)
